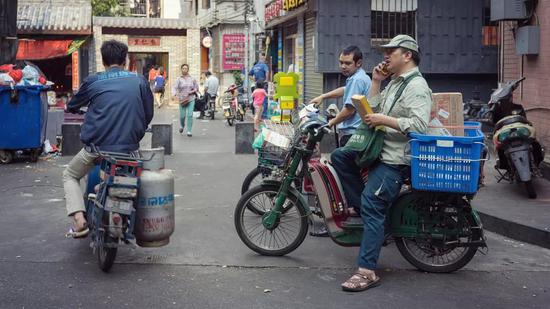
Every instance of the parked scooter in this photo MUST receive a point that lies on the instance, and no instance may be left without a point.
(434, 231)
(475, 109)
(232, 107)
(514, 138)
(128, 197)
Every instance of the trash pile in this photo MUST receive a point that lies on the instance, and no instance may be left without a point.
(13, 75)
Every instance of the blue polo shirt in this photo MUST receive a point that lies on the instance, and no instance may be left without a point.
(358, 83)
(259, 71)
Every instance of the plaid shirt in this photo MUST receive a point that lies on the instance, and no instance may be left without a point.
(183, 87)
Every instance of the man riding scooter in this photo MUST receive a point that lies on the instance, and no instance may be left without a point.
(357, 82)
(400, 115)
(120, 107)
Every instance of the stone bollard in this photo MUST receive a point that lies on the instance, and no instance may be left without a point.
(71, 144)
(162, 137)
(244, 137)
(55, 121)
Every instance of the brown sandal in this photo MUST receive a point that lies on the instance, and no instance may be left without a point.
(360, 282)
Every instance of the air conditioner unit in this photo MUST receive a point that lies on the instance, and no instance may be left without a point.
(509, 9)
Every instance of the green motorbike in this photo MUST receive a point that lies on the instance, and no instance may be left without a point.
(435, 229)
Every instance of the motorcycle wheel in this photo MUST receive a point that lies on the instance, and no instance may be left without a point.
(254, 178)
(287, 235)
(240, 116)
(435, 259)
(230, 121)
(106, 255)
(530, 188)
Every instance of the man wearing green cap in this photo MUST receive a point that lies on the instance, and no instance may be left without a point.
(402, 107)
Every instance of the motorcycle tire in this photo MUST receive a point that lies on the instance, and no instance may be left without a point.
(530, 188)
(240, 116)
(271, 190)
(106, 255)
(466, 257)
(230, 121)
(255, 173)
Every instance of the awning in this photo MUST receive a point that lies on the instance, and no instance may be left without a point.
(42, 49)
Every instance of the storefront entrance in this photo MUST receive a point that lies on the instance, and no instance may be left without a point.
(141, 62)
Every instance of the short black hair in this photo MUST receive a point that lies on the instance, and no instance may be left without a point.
(415, 56)
(259, 84)
(353, 50)
(208, 73)
(184, 65)
(113, 52)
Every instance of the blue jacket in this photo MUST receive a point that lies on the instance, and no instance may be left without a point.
(120, 109)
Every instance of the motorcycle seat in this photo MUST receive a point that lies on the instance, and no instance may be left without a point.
(510, 120)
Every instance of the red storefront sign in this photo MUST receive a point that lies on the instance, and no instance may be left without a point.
(277, 8)
(273, 10)
(42, 49)
(233, 51)
(144, 41)
(75, 71)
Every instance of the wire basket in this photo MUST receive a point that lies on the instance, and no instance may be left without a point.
(447, 163)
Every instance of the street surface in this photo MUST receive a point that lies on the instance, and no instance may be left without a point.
(206, 265)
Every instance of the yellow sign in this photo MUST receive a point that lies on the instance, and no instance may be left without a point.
(289, 5)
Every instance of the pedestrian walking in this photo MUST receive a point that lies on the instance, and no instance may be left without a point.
(258, 96)
(184, 91)
(158, 90)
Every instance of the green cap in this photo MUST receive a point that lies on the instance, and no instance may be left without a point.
(402, 40)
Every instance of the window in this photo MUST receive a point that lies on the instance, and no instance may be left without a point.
(392, 17)
(489, 30)
(142, 8)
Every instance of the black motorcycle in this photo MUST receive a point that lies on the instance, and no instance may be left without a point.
(519, 152)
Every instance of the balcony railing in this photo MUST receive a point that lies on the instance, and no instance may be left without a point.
(143, 8)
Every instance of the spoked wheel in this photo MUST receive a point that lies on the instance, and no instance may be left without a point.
(255, 178)
(106, 255)
(288, 232)
(6, 156)
(441, 255)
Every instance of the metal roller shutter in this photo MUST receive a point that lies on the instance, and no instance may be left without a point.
(313, 81)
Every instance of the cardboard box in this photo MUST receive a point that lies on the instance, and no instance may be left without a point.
(448, 109)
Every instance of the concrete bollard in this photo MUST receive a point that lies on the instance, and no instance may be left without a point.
(55, 121)
(71, 144)
(162, 137)
(244, 137)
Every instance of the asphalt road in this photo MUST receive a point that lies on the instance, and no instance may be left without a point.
(206, 265)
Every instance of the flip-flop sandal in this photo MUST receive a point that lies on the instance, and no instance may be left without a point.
(361, 283)
(72, 233)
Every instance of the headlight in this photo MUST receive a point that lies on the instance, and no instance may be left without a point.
(123, 192)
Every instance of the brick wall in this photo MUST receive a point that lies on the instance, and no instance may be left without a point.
(180, 49)
(535, 92)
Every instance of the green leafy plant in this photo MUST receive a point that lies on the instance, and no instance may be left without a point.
(108, 8)
(238, 76)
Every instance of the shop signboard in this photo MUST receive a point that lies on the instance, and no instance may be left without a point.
(143, 41)
(233, 52)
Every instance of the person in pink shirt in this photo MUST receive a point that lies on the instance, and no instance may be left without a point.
(258, 96)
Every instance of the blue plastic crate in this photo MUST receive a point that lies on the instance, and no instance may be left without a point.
(447, 163)
(23, 117)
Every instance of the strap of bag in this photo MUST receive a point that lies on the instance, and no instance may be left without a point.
(402, 88)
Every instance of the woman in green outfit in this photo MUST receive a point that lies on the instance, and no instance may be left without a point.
(184, 90)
